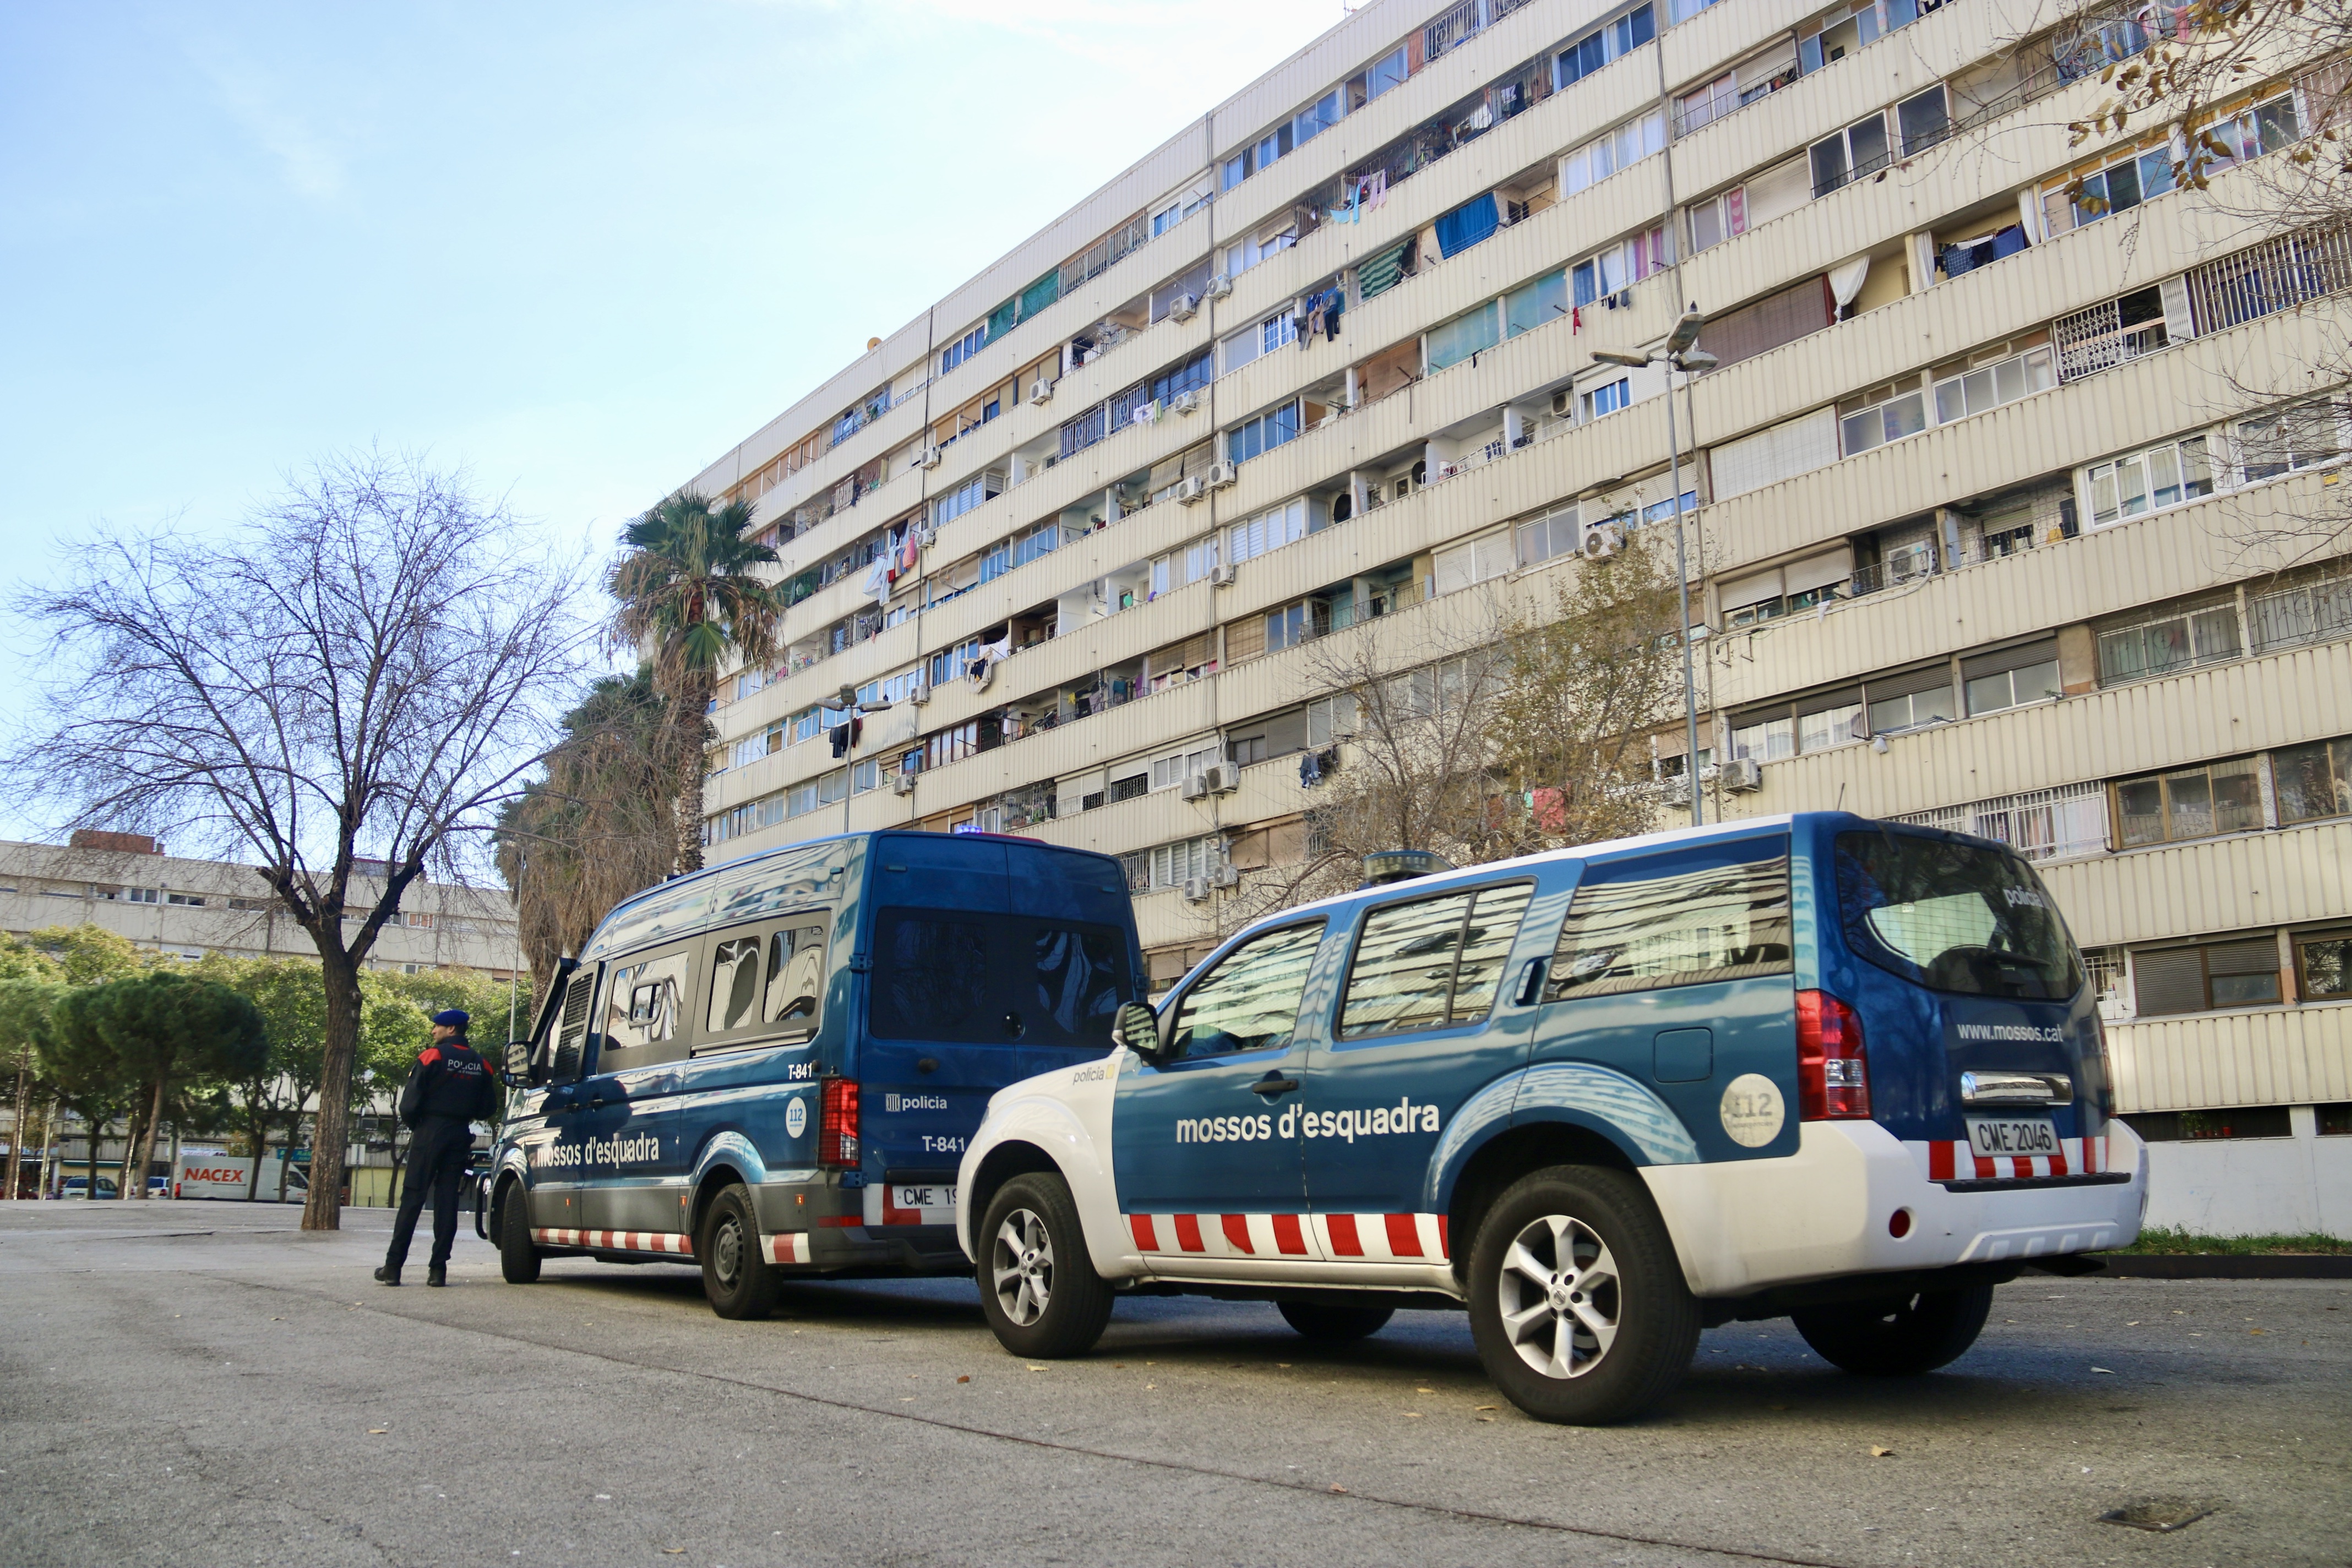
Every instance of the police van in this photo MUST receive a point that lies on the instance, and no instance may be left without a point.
(1819, 1067)
(772, 1066)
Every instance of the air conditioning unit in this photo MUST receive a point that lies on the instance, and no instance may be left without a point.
(1040, 394)
(918, 691)
(1192, 489)
(1742, 774)
(1185, 403)
(1221, 474)
(1563, 403)
(927, 537)
(902, 783)
(1221, 576)
(1603, 540)
(1196, 889)
(1911, 561)
(1675, 791)
(1195, 785)
(1224, 778)
(1225, 876)
(1219, 287)
(928, 458)
(1183, 308)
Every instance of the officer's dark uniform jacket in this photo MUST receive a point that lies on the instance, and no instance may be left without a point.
(450, 1080)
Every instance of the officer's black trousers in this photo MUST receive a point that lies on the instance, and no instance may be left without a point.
(436, 1163)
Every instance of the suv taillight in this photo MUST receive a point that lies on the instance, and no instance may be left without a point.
(1832, 1073)
(836, 1127)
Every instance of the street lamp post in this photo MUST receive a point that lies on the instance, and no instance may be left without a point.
(1683, 354)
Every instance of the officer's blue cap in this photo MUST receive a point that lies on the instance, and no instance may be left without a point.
(454, 1018)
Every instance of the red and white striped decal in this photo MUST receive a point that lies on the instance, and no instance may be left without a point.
(1313, 1237)
(786, 1247)
(1952, 1159)
(618, 1240)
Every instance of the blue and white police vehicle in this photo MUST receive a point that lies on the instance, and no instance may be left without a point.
(772, 1066)
(1819, 1067)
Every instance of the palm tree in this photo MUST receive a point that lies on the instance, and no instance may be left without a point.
(689, 594)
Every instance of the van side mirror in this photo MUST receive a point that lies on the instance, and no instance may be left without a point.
(1137, 1028)
(519, 1069)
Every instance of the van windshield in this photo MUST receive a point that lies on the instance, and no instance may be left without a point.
(1954, 917)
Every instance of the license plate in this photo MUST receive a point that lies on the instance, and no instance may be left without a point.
(2011, 1137)
(922, 1197)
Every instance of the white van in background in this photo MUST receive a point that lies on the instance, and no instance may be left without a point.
(220, 1176)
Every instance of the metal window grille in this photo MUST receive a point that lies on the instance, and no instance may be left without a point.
(2277, 275)
(2061, 824)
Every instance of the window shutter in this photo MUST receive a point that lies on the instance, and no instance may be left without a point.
(1742, 592)
(1837, 566)
(1777, 318)
(1493, 557)
(1778, 192)
(1796, 447)
(1452, 568)
(1244, 639)
(1911, 683)
(2022, 655)
(2258, 957)
(2171, 981)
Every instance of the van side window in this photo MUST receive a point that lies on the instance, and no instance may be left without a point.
(643, 1008)
(1432, 962)
(1249, 1002)
(766, 977)
(795, 988)
(1680, 918)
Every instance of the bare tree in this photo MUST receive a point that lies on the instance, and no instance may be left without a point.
(358, 674)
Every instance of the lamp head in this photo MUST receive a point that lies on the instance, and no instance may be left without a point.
(1694, 361)
(1605, 356)
(1686, 332)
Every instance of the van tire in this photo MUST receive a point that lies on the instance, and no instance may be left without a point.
(1038, 1288)
(1897, 1336)
(740, 1281)
(1624, 1277)
(1328, 1323)
(518, 1257)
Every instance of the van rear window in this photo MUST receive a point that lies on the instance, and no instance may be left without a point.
(986, 979)
(1954, 917)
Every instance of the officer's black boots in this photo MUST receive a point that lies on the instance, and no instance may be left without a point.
(386, 1274)
(437, 1275)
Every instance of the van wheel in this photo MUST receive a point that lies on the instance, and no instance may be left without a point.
(519, 1258)
(1576, 1302)
(1897, 1336)
(738, 1280)
(1037, 1287)
(1329, 1324)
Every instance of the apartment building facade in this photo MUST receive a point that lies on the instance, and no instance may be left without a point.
(125, 883)
(2006, 508)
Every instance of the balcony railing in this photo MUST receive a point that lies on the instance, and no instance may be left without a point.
(2093, 340)
(2277, 275)
(2044, 825)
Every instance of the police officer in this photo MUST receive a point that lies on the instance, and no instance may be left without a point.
(450, 1090)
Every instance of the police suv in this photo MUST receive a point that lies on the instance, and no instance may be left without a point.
(1819, 1067)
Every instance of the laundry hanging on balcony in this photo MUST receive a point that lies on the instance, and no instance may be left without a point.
(1382, 272)
(1467, 224)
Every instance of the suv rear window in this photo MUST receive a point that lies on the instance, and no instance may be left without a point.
(1954, 917)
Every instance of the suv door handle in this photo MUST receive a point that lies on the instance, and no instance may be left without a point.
(1273, 1084)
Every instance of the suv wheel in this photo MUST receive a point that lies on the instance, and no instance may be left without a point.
(1329, 1323)
(1037, 1287)
(518, 1257)
(1576, 1302)
(1897, 1336)
(738, 1280)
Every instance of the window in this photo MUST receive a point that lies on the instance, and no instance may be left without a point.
(1329, 718)
(2292, 439)
(966, 496)
(1241, 258)
(1285, 524)
(1924, 696)
(1273, 428)
(2200, 1126)
(1174, 864)
(1249, 1002)
(970, 343)
(1480, 560)
(1173, 769)
(775, 979)
(2124, 184)
(1766, 739)
(1430, 963)
(996, 979)
(2242, 974)
(1556, 533)
(1836, 722)
(196, 901)
(1388, 71)
(1859, 150)
(1597, 48)
(1990, 386)
(2149, 480)
(2324, 966)
(1954, 917)
(1464, 336)
(1882, 415)
(1296, 623)
(2313, 781)
(2248, 134)
(2166, 644)
(1608, 397)
(644, 1004)
(2190, 803)
(1599, 276)
(1718, 218)
(1688, 918)
(1606, 154)
(1541, 301)
(2012, 677)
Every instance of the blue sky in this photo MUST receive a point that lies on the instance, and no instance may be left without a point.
(578, 249)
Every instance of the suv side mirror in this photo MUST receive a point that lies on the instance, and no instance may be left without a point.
(1137, 1028)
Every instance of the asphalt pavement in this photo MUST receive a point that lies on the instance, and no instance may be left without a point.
(195, 1384)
